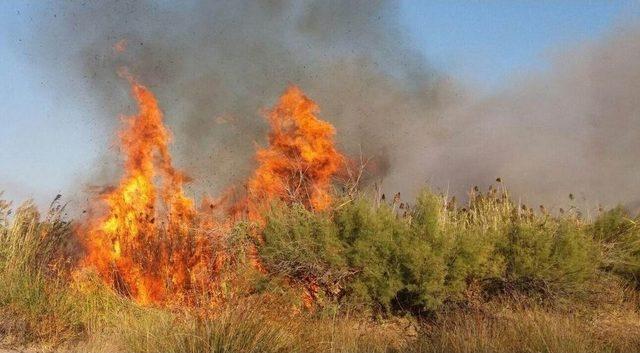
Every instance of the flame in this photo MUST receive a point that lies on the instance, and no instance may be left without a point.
(301, 158)
(146, 246)
(154, 245)
(297, 166)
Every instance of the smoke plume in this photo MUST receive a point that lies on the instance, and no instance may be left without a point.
(216, 65)
(574, 128)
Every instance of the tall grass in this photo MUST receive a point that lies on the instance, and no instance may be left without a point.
(382, 276)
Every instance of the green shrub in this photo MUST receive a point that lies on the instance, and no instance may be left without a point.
(396, 264)
(550, 255)
(428, 253)
(304, 245)
(370, 237)
(474, 256)
(367, 252)
(428, 257)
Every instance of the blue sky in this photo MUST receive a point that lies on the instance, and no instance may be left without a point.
(486, 42)
(47, 140)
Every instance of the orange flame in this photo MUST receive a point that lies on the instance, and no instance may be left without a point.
(151, 244)
(145, 246)
(301, 158)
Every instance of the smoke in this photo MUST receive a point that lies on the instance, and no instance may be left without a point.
(216, 65)
(574, 128)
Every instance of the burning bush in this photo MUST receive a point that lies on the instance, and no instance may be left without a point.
(301, 158)
(154, 246)
(149, 244)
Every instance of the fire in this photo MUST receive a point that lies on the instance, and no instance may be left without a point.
(154, 245)
(301, 157)
(146, 245)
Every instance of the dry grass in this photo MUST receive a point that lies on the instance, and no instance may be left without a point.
(515, 325)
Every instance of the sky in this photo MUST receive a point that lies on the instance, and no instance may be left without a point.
(48, 141)
(486, 42)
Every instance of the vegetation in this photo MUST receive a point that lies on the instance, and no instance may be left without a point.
(366, 275)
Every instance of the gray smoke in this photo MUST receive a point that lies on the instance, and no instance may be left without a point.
(574, 128)
(216, 65)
